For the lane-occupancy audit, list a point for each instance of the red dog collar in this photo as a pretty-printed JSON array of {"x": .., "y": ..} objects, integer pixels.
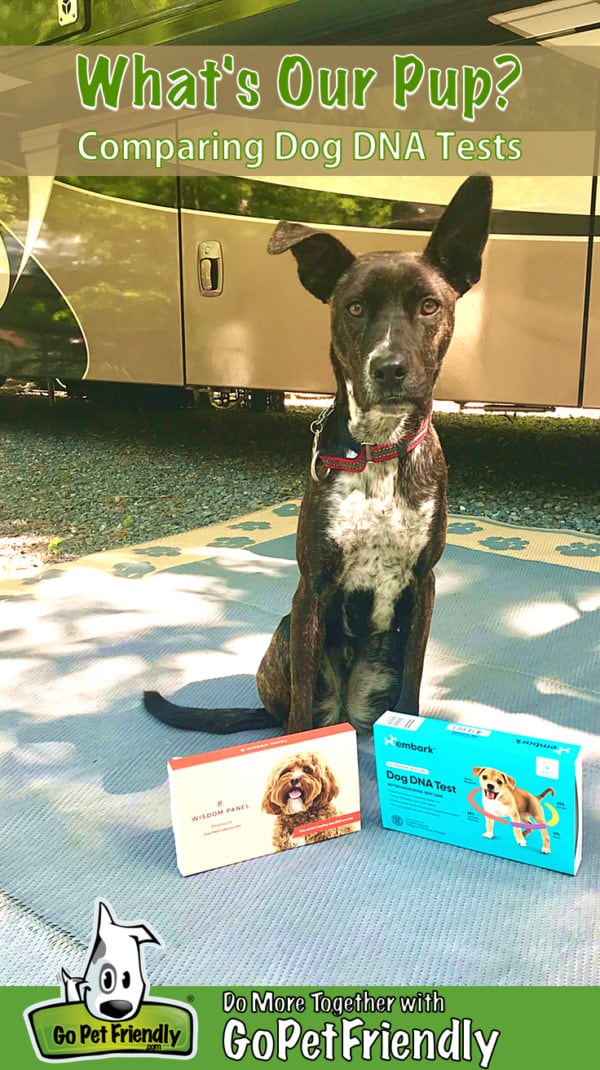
[{"x": 365, "y": 452}]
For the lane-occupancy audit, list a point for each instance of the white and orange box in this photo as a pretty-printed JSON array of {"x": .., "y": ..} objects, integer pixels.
[{"x": 259, "y": 798}]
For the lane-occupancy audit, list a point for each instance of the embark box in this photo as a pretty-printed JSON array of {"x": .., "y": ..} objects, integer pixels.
[
  {"x": 242, "y": 802},
  {"x": 509, "y": 795}
]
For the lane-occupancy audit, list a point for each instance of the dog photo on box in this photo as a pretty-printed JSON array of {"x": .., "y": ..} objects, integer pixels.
[
  {"x": 505, "y": 794},
  {"x": 260, "y": 798}
]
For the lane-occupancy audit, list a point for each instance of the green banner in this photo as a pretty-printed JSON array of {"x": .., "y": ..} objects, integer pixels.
[
  {"x": 68, "y": 1031},
  {"x": 213, "y": 1028}
]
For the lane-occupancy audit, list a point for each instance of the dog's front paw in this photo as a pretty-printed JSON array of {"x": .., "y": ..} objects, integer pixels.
[
  {"x": 522, "y": 843},
  {"x": 545, "y": 850},
  {"x": 488, "y": 835}
]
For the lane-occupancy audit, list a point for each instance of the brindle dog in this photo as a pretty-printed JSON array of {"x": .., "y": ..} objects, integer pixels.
[{"x": 373, "y": 519}]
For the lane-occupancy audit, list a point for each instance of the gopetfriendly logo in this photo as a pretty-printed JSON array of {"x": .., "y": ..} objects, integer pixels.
[{"x": 105, "y": 1011}]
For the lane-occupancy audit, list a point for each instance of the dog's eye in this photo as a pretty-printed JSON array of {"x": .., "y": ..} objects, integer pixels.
[
  {"x": 356, "y": 308},
  {"x": 126, "y": 979},
  {"x": 108, "y": 978},
  {"x": 284, "y": 772},
  {"x": 307, "y": 769},
  {"x": 428, "y": 306},
  {"x": 484, "y": 777}
]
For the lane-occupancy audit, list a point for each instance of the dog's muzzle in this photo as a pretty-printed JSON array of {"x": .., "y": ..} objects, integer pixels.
[
  {"x": 116, "y": 1008},
  {"x": 387, "y": 375}
]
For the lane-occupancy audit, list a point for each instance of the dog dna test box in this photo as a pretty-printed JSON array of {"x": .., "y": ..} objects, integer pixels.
[
  {"x": 501, "y": 793},
  {"x": 242, "y": 802}
]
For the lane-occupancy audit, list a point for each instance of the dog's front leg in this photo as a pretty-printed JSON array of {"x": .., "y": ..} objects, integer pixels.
[
  {"x": 515, "y": 817},
  {"x": 416, "y": 643},
  {"x": 307, "y": 635}
]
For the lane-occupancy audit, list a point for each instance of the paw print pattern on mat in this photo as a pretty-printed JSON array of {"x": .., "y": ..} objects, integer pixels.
[
  {"x": 159, "y": 551},
  {"x": 132, "y": 570},
  {"x": 291, "y": 509},
  {"x": 579, "y": 549},
  {"x": 233, "y": 540},
  {"x": 47, "y": 574},
  {"x": 496, "y": 542},
  {"x": 251, "y": 525},
  {"x": 463, "y": 528}
]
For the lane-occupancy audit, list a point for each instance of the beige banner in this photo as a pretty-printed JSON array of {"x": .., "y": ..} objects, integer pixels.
[{"x": 299, "y": 111}]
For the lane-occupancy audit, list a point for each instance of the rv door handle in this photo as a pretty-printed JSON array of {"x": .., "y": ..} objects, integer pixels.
[{"x": 210, "y": 268}]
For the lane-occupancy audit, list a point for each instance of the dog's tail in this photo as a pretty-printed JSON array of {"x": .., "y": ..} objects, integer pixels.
[
  {"x": 221, "y": 722},
  {"x": 548, "y": 791}
]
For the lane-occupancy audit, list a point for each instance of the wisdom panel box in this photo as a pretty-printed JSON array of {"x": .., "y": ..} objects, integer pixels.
[
  {"x": 242, "y": 802},
  {"x": 501, "y": 793}
]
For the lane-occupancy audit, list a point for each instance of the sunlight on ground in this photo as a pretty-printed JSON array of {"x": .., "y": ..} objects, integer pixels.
[
  {"x": 441, "y": 664},
  {"x": 251, "y": 647},
  {"x": 245, "y": 562},
  {"x": 319, "y": 401},
  {"x": 546, "y": 685},
  {"x": 589, "y": 603},
  {"x": 539, "y": 619},
  {"x": 239, "y": 656},
  {"x": 23, "y": 555},
  {"x": 450, "y": 581},
  {"x": 54, "y": 752},
  {"x": 480, "y": 715},
  {"x": 92, "y": 807},
  {"x": 7, "y": 743},
  {"x": 82, "y": 692}
]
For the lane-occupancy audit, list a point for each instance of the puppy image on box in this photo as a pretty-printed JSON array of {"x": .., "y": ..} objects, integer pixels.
[
  {"x": 299, "y": 793},
  {"x": 502, "y": 798}
]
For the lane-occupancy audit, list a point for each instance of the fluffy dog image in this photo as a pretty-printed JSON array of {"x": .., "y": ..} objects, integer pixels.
[
  {"x": 503, "y": 798},
  {"x": 300, "y": 791}
]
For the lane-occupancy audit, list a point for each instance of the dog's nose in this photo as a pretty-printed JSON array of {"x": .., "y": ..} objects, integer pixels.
[
  {"x": 116, "y": 1008},
  {"x": 390, "y": 372}
]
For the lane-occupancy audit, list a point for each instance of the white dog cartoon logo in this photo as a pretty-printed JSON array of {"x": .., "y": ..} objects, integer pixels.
[{"x": 113, "y": 985}]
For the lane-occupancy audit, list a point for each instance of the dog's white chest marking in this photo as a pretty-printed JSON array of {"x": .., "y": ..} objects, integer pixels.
[
  {"x": 379, "y": 534},
  {"x": 492, "y": 806}
]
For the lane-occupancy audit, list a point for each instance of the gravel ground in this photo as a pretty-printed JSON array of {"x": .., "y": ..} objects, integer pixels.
[{"x": 78, "y": 478}]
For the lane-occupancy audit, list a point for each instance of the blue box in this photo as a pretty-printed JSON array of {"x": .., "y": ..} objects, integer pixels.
[{"x": 501, "y": 793}]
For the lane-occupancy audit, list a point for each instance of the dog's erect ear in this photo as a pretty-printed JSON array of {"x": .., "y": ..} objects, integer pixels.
[
  {"x": 456, "y": 246},
  {"x": 321, "y": 258},
  {"x": 142, "y": 934},
  {"x": 478, "y": 770},
  {"x": 104, "y": 921},
  {"x": 73, "y": 987}
]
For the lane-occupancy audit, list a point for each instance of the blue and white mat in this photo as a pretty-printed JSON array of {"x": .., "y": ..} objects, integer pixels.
[{"x": 84, "y": 796}]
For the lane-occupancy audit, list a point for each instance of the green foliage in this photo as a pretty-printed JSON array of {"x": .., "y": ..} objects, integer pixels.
[
  {"x": 241, "y": 196},
  {"x": 143, "y": 189}
]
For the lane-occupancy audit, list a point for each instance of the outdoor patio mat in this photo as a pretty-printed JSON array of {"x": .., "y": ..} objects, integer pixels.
[{"x": 84, "y": 797}]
